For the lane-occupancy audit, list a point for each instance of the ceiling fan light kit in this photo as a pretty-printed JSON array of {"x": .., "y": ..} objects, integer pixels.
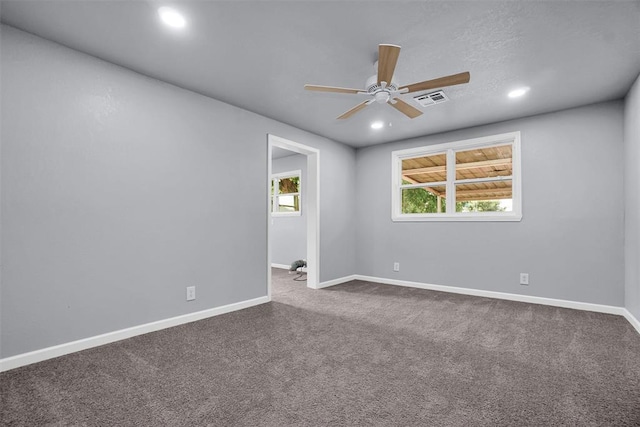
[
  {"x": 383, "y": 89},
  {"x": 381, "y": 97}
]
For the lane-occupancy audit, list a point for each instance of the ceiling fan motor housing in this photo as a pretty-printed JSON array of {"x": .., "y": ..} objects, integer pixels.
[{"x": 372, "y": 85}]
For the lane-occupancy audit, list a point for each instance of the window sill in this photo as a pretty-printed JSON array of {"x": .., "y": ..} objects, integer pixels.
[
  {"x": 458, "y": 217},
  {"x": 284, "y": 214}
]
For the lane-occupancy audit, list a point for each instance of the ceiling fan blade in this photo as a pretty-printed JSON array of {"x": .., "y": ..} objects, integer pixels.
[
  {"x": 331, "y": 89},
  {"x": 354, "y": 110},
  {"x": 455, "y": 79},
  {"x": 405, "y": 108},
  {"x": 387, "y": 59}
]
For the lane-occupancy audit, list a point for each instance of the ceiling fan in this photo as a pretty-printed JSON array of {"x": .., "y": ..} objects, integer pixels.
[{"x": 382, "y": 88}]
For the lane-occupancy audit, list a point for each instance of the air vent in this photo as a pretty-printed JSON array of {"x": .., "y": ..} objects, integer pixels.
[{"x": 431, "y": 98}]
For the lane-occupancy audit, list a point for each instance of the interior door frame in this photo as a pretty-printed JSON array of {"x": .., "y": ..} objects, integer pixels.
[{"x": 310, "y": 205}]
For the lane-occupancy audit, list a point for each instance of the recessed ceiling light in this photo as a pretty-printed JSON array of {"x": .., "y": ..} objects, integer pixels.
[
  {"x": 172, "y": 17},
  {"x": 377, "y": 125},
  {"x": 518, "y": 92}
]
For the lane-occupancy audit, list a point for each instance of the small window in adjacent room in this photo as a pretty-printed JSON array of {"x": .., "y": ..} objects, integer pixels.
[
  {"x": 285, "y": 193},
  {"x": 471, "y": 180}
]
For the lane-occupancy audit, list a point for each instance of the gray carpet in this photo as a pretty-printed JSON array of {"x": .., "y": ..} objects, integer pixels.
[{"x": 354, "y": 354}]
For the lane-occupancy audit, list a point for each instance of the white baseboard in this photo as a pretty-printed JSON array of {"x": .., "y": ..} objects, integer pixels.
[
  {"x": 599, "y": 308},
  {"x": 337, "y": 281},
  {"x": 86, "y": 343},
  {"x": 630, "y": 317},
  {"x": 282, "y": 266},
  {"x": 288, "y": 267},
  {"x": 610, "y": 309}
]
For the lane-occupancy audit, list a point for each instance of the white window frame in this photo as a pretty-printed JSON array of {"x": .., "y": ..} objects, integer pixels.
[
  {"x": 276, "y": 192},
  {"x": 450, "y": 149}
]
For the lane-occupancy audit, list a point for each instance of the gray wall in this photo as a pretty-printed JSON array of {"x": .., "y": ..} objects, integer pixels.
[
  {"x": 118, "y": 191},
  {"x": 288, "y": 238},
  {"x": 632, "y": 204},
  {"x": 570, "y": 239}
]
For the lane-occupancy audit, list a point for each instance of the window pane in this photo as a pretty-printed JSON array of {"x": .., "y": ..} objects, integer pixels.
[
  {"x": 484, "y": 197},
  {"x": 484, "y": 162},
  {"x": 424, "y": 200},
  {"x": 289, "y": 203},
  {"x": 431, "y": 168},
  {"x": 289, "y": 185}
]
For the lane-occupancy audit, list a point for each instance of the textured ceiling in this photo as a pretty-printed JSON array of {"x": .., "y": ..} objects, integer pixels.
[{"x": 258, "y": 54}]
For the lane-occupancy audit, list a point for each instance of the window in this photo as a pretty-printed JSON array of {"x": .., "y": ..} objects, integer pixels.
[
  {"x": 471, "y": 180},
  {"x": 285, "y": 193}
]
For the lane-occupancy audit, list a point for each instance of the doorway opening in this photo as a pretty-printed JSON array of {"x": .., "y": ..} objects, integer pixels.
[{"x": 309, "y": 205}]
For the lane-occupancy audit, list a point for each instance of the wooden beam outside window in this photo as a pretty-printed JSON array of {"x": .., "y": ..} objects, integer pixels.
[
  {"x": 482, "y": 198},
  {"x": 482, "y": 192},
  {"x": 429, "y": 189},
  {"x": 459, "y": 166}
]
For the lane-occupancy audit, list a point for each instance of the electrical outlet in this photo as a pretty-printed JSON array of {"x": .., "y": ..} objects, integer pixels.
[
  {"x": 524, "y": 278},
  {"x": 396, "y": 266},
  {"x": 191, "y": 293}
]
